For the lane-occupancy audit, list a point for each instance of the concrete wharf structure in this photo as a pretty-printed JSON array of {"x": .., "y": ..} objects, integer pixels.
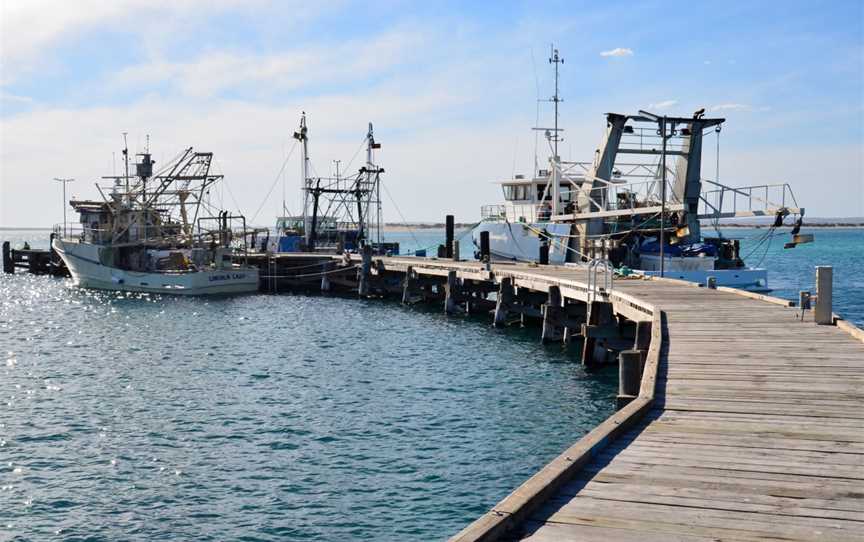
[{"x": 745, "y": 422}]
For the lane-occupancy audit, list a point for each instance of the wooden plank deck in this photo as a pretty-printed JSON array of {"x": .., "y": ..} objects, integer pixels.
[{"x": 755, "y": 432}]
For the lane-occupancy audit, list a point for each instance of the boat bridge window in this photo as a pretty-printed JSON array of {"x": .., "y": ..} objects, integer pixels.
[
  {"x": 540, "y": 190},
  {"x": 516, "y": 192}
]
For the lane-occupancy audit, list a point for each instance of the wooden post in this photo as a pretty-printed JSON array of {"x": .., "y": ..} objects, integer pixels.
[
  {"x": 712, "y": 283},
  {"x": 505, "y": 302},
  {"x": 451, "y": 299},
  {"x": 824, "y": 276},
  {"x": 455, "y": 251},
  {"x": 8, "y": 264},
  {"x": 600, "y": 314},
  {"x": 484, "y": 246},
  {"x": 409, "y": 286},
  {"x": 629, "y": 376},
  {"x": 642, "y": 342},
  {"x": 365, "y": 268},
  {"x": 573, "y": 313},
  {"x": 448, "y": 239},
  {"x": 442, "y": 251},
  {"x": 552, "y": 329}
]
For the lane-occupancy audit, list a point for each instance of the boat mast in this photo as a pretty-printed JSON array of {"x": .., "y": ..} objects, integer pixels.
[
  {"x": 126, "y": 157},
  {"x": 556, "y": 160},
  {"x": 304, "y": 170},
  {"x": 370, "y": 166}
]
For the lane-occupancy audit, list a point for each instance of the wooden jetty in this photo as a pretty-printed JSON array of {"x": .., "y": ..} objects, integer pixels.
[
  {"x": 740, "y": 417},
  {"x": 36, "y": 261}
]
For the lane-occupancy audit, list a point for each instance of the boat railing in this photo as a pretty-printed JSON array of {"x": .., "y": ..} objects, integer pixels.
[
  {"x": 758, "y": 200},
  {"x": 493, "y": 213},
  {"x": 620, "y": 198},
  {"x": 165, "y": 233}
]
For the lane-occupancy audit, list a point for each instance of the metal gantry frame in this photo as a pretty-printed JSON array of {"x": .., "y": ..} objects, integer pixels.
[{"x": 341, "y": 203}]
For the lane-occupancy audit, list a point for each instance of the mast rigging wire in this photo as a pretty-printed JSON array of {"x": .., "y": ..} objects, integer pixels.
[{"x": 273, "y": 185}]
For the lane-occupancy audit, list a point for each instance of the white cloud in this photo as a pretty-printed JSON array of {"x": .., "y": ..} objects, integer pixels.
[
  {"x": 730, "y": 107},
  {"x": 30, "y": 29},
  {"x": 249, "y": 142},
  {"x": 221, "y": 70},
  {"x": 13, "y": 98},
  {"x": 618, "y": 51},
  {"x": 666, "y": 104}
]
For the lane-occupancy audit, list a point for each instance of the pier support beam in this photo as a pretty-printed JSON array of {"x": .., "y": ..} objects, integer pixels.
[
  {"x": 553, "y": 331},
  {"x": 504, "y": 305},
  {"x": 475, "y": 294},
  {"x": 363, "y": 288},
  {"x": 453, "y": 293},
  {"x": 629, "y": 377},
  {"x": 448, "y": 236},
  {"x": 8, "y": 263},
  {"x": 484, "y": 246},
  {"x": 574, "y": 316},
  {"x": 409, "y": 287},
  {"x": 600, "y": 316},
  {"x": 642, "y": 340}
]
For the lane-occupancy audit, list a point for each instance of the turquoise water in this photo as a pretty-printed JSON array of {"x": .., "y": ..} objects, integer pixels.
[
  {"x": 789, "y": 270},
  {"x": 267, "y": 417}
]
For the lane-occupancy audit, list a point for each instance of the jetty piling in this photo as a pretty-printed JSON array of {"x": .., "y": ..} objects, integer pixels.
[
  {"x": 484, "y": 246},
  {"x": 449, "y": 231},
  {"x": 8, "y": 263},
  {"x": 553, "y": 330},
  {"x": 629, "y": 377}
]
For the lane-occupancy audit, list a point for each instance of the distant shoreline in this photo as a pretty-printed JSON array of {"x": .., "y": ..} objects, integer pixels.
[
  {"x": 399, "y": 227},
  {"x": 841, "y": 225}
]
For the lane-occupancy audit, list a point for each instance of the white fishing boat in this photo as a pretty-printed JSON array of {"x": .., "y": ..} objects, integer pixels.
[
  {"x": 167, "y": 238},
  {"x": 629, "y": 207}
]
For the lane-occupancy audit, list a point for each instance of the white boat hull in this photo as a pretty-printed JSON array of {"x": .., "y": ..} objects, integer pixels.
[
  {"x": 755, "y": 280},
  {"x": 521, "y": 242},
  {"x": 87, "y": 271}
]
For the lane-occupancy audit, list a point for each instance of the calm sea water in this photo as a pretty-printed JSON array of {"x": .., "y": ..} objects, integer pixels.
[{"x": 263, "y": 417}]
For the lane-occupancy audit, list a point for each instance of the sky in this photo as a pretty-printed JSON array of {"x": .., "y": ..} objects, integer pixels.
[{"x": 451, "y": 88}]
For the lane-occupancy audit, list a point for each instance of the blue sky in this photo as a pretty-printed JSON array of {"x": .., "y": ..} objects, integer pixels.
[{"x": 451, "y": 88}]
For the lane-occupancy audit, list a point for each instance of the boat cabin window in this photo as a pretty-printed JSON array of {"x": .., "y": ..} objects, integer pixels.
[
  {"x": 540, "y": 190},
  {"x": 290, "y": 223},
  {"x": 516, "y": 192}
]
